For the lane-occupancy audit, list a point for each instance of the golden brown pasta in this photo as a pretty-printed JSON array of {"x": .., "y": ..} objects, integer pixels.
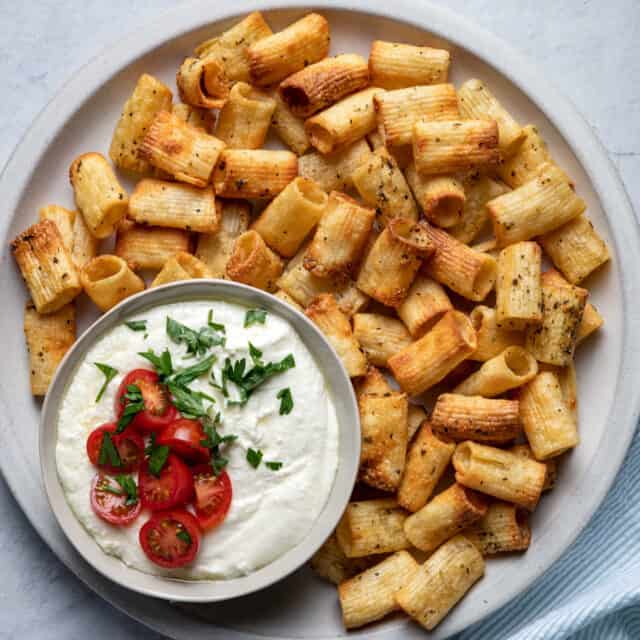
[
  {"x": 64, "y": 219},
  {"x": 372, "y": 382},
  {"x": 330, "y": 562},
  {"x": 108, "y": 280},
  {"x": 48, "y": 338},
  {"x": 502, "y": 529},
  {"x": 416, "y": 415},
  {"x": 425, "y": 303},
  {"x": 522, "y": 167},
  {"x": 181, "y": 266},
  {"x": 492, "y": 339},
  {"x": 85, "y": 246},
  {"x": 253, "y": 263},
  {"x": 524, "y": 450},
  {"x": 285, "y": 297},
  {"x": 289, "y": 128},
  {"x": 194, "y": 116},
  {"x": 379, "y": 336},
  {"x": 202, "y": 82}
]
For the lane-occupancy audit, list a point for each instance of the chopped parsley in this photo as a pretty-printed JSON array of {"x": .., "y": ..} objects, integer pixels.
[
  {"x": 196, "y": 370},
  {"x": 134, "y": 405},
  {"x": 158, "y": 455},
  {"x": 256, "y": 355},
  {"x": 197, "y": 342},
  {"x": 274, "y": 466},
  {"x": 254, "y": 316},
  {"x": 128, "y": 489},
  {"x": 183, "y": 535},
  {"x": 214, "y": 441},
  {"x": 108, "y": 451},
  {"x": 286, "y": 401},
  {"x": 137, "y": 325},
  {"x": 186, "y": 401},
  {"x": 109, "y": 374},
  {"x": 215, "y": 325},
  {"x": 162, "y": 363},
  {"x": 254, "y": 457}
]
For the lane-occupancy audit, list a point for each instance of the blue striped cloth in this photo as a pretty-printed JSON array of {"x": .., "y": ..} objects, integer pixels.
[{"x": 593, "y": 591}]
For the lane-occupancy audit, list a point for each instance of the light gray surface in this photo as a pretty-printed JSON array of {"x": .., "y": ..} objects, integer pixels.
[{"x": 587, "y": 49}]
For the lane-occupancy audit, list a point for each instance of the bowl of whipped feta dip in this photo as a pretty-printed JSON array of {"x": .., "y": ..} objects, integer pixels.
[{"x": 200, "y": 441}]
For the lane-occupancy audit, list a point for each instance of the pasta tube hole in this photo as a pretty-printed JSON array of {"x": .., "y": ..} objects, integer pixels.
[
  {"x": 520, "y": 362},
  {"x": 104, "y": 268},
  {"x": 295, "y": 97},
  {"x": 311, "y": 191}
]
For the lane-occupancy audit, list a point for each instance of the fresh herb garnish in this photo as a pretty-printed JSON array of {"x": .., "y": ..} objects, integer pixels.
[
  {"x": 158, "y": 455},
  {"x": 108, "y": 451},
  {"x": 134, "y": 405},
  {"x": 196, "y": 370},
  {"x": 197, "y": 342},
  {"x": 187, "y": 401},
  {"x": 254, "y": 316},
  {"x": 183, "y": 534},
  {"x": 109, "y": 374},
  {"x": 254, "y": 457},
  {"x": 214, "y": 441},
  {"x": 256, "y": 355},
  {"x": 162, "y": 363},
  {"x": 128, "y": 488},
  {"x": 274, "y": 466},
  {"x": 286, "y": 401},
  {"x": 137, "y": 325},
  {"x": 215, "y": 325}
]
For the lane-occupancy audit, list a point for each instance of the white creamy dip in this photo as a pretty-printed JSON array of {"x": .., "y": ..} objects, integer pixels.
[{"x": 271, "y": 511}]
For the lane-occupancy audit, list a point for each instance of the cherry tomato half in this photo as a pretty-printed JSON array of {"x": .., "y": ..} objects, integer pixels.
[
  {"x": 170, "y": 539},
  {"x": 183, "y": 437},
  {"x": 213, "y": 496},
  {"x": 129, "y": 444},
  {"x": 172, "y": 488},
  {"x": 109, "y": 506},
  {"x": 158, "y": 411}
]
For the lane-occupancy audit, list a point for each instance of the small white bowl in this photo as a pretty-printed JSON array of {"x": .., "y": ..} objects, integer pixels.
[{"x": 348, "y": 447}]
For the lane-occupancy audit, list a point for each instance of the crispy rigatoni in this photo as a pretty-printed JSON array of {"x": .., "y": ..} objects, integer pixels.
[
  {"x": 492, "y": 339},
  {"x": 202, "y": 82},
  {"x": 46, "y": 266},
  {"x": 452, "y": 146},
  {"x": 343, "y": 123},
  {"x": 512, "y": 368},
  {"x": 499, "y": 473},
  {"x": 380, "y": 336},
  {"x": 518, "y": 287},
  {"x": 285, "y": 297},
  {"x": 253, "y": 263},
  {"x": 340, "y": 237},
  {"x": 393, "y": 260},
  {"x": 398, "y": 111},
  {"x": 64, "y": 219},
  {"x": 428, "y": 360},
  {"x": 230, "y": 47},
  {"x": 98, "y": 194},
  {"x": 149, "y": 97},
  {"x": 460, "y": 417},
  {"x": 181, "y": 266},
  {"x": 108, "y": 280},
  {"x": 319, "y": 85},
  {"x": 425, "y": 303},
  {"x": 382, "y": 185},
  {"x": 415, "y": 417},
  {"x": 244, "y": 120},
  {"x": 288, "y": 127},
  {"x": 524, "y": 450},
  {"x": 373, "y": 382},
  {"x": 537, "y": 207},
  {"x": 330, "y": 562},
  {"x": 553, "y": 341},
  {"x": 202, "y": 119},
  {"x": 335, "y": 325},
  {"x": 502, "y": 529},
  {"x": 383, "y": 422},
  {"x": 85, "y": 246},
  {"x": 444, "y": 516},
  {"x": 186, "y": 153},
  {"x": 437, "y": 586},
  {"x": 370, "y": 595},
  {"x": 254, "y": 173},
  {"x": 370, "y": 527},
  {"x": 576, "y": 249},
  {"x": 170, "y": 204},
  {"x": 394, "y": 65},
  {"x": 522, "y": 167},
  {"x": 148, "y": 247},
  {"x": 470, "y": 273},
  {"x": 291, "y": 215},
  {"x": 48, "y": 338},
  {"x": 334, "y": 172},
  {"x": 427, "y": 459},
  {"x": 477, "y": 102},
  {"x": 214, "y": 249},
  {"x": 441, "y": 198},
  {"x": 277, "y": 56},
  {"x": 548, "y": 423}
]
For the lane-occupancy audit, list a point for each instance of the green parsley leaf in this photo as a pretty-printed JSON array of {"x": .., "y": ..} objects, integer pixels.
[
  {"x": 134, "y": 405},
  {"x": 186, "y": 401},
  {"x": 137, "y": 325},
  {"x": 189, "y": 374},
  {"x": 183, "y": 534},
  {"x": 254, "y": 457},
  {"x": 255, "y": 354},
  {"x": 215, "y": 325},
  {"x": 109, "y": 374},
  {"x": 158, "y": 455},
  {"x": 197, "y": 342},
  {"x": 286, "y": 401},
  {"x": 214, "y": 441},
  {"x": 260, "y": 374},
  {"x": 274, "y": 466},
  {"x": 254, "y": 316},
  {"x": 129, "y": 488},
  {"x": 108, "y": 451},
  {"x": 162, "y": 363},
  {"x": 218, "y": 464}
]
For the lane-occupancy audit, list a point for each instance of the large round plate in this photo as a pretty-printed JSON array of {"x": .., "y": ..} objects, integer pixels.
[{"x": 81, "y": 118}]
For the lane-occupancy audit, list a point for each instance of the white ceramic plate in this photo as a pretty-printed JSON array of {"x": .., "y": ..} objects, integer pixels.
[{"x": 81, "y": 118}]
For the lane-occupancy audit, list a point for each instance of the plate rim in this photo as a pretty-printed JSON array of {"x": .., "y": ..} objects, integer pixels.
[{"x": 439, "y": 21}]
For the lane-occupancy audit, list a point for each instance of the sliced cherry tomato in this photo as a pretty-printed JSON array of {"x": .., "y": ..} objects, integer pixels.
[
  {"x": 213, "y": 496},
  {"x": 183, "y": 437},
  {"x": 172, "y": 488},
  {"x": 109, "y": 506},
  {"x": 129, "y": 444},
  {"x": 171, "y": 539},
  {"x": 158, "y": 411}
]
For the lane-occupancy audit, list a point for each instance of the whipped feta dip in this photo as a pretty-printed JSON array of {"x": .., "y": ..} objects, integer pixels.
[{"x": 271, "y": 510}]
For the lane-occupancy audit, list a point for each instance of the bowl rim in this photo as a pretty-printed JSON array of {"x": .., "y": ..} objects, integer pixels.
[{"x": 198, "y": 590}]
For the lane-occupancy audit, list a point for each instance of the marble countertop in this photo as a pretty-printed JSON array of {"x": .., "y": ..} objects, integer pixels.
[{"x": 588, "y": 48}]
